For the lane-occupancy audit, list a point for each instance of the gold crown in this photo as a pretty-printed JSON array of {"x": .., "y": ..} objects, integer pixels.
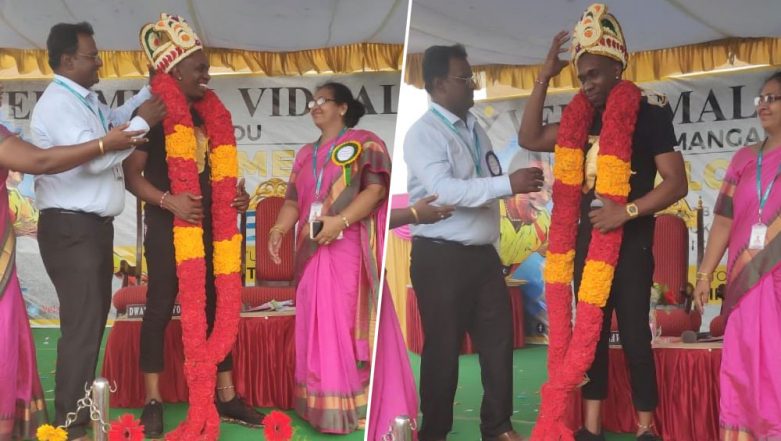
[
  {"x": 598, "y": 33},
  {"x": 168, "y": 42}
]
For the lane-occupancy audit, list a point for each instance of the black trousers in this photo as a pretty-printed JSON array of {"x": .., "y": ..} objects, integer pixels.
[
  {"x": 630, "y": 297},
  {"x": 77, "y": 252},
  {"x": 461, "y": 289},
  {"x": 163, "y": 285}
]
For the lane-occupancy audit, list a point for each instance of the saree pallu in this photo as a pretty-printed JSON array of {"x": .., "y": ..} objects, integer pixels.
[
  {"x": 338, "y": 286},
  {"x": 750, "y": 379},
  {"x": 22, "y": 408},
  {"x": 394, "y": 392}
]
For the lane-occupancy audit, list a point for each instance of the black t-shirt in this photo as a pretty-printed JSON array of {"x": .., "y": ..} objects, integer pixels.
[
  {"x": 156, "y": 172},
  {"x": 654, "y": 135}
]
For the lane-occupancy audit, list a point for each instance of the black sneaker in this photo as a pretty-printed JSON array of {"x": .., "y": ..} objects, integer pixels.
[
  {"x": 237, "y": 411},
  {"x": 584, "y": 435},
  {"x": 152, "y": 419}
]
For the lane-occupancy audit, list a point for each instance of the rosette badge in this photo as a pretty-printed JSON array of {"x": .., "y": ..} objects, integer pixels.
[{"x": 344, "y": 155}]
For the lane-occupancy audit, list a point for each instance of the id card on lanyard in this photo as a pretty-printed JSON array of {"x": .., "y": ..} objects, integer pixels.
[
  {"x": 98, "y": 113},
  {"x": 316, "y": 209},
  {"x": 759, "y": 230},
  {"x": 473, "y": 147}
]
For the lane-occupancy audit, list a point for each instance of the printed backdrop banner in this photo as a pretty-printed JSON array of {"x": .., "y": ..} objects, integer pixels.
[
  {"x": 713, "y": 116},
  {"x": 271, "y": 123}
]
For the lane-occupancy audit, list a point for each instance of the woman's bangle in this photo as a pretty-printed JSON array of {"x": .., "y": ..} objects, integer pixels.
[
  {"x": 540, "y": 82},
  {"x": 100, "y": 146},
  {"x": 704, "y": 276},
  {"x": 346, "y": 223},
  {"x": 415, "y": 214},
  {"x": 278, "y": 229},
  {"x": 162, "y": 199}
]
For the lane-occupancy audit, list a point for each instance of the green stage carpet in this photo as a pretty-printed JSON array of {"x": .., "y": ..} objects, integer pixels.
[
  {"x": 529, "y": 373},
  {"x": 46, "y": 345}
]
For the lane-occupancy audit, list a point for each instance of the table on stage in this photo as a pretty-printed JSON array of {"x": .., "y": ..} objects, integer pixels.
[
  {"x": 688, "y": 381},
  {"x": 263, "y": 361}
]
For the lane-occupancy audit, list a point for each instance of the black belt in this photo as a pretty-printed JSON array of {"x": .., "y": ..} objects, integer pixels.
[
  {"x": 97, "y": 217},
  {"x": 447, "y": 242}
]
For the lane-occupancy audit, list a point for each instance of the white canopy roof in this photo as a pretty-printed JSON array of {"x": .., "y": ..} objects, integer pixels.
[
  {"x": 519, "y": 32},
  {"x": 267, "y": 25}
]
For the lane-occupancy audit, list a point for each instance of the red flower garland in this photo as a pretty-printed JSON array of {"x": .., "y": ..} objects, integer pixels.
[
  {"x": 126, "y": 428},
  {"x": 201, "y": 354},
  {"x": 571, "y": 352},
  {"x": 276, "y": 426}
]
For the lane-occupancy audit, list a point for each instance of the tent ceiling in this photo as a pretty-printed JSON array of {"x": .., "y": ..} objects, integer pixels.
[
  {"x": 519, "y": 32},
  {"x": 268, "y": 25}
]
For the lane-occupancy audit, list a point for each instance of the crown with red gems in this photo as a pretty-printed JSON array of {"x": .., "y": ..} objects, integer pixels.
[
  {"x": 168, "y": 41},
  {"x": 598, "y": 33}
]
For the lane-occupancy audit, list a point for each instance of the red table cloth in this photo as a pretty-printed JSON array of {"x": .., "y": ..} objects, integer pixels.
[
  {"x": 688, "y": 380},
  {"x": 263, "y": 361}
]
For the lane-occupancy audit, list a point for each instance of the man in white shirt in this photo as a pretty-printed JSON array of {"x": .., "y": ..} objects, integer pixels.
[
  {"x": 455, "y": 268},
  {"x": 75, "y": 230}
]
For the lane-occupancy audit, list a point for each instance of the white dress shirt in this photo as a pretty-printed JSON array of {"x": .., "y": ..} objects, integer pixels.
[
  {"x": 69, "y": 114},
  {"x": 440, "y": 161}
]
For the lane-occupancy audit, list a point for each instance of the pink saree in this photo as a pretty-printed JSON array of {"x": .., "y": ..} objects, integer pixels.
[
  {"x": 750, "y": 379},
  {"x": 338, "y": 287},
  {"x": 22, "y": 408}
]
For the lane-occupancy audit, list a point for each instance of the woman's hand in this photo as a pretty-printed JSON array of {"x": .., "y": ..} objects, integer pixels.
[
  {"x": 701, "y": 294},
  {"x": 274, "y": 243},
  {"x": 332, "y": 226},
  {"x": 428, "y": 214}
]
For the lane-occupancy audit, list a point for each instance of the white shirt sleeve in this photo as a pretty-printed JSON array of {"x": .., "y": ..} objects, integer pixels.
[
  {"x": 59, "y": 123},
  {"x": 123, "y": 113},
  {"x": 425, "y": 152}
]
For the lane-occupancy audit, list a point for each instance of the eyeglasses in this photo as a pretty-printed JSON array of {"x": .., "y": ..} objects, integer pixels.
[
  {"x": 471, "y": 80},
  {"x": 318, "y": 102},
  {"x": 95, "y": 57},
  {"x": 766, "y": 99}
]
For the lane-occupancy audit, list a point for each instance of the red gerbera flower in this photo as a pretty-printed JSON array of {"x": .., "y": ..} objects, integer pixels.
[
  {"x": 126, "y": 428},
  {"x": 276, "y": 426}
]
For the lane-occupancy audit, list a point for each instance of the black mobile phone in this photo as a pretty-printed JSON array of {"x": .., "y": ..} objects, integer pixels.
[{"x": 314, "y": 228}]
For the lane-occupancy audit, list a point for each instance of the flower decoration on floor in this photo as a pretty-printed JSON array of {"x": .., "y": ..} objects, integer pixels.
[
  {"x": 202, "y": 354},
  {"x": 277, "y": 426},
  {"x": 126, "y": 428},
  {"x": 571, "y": 351},
  {"x": 48, "y": 432}
]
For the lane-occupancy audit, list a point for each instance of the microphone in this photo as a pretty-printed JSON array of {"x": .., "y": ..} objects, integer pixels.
[{"x": 689, "y": 337}]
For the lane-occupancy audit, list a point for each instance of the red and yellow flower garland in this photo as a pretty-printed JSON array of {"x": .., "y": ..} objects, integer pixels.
[
  {"x": 202, "y": 354},
  {"x": 571, "y": 352}
]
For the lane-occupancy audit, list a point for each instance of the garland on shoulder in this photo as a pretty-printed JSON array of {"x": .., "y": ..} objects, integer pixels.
[
  {"x": 571, "y": 351},
  {"x": 201, "y": 354}
]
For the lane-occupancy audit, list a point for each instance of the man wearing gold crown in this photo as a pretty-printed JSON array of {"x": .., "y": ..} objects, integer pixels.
[
  {"x": 181, "y": 70},
  {"x": 612, "y": 140}
]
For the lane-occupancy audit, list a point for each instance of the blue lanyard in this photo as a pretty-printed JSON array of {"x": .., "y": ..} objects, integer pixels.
[
  {"x": 84, "y": 101},
  {"x": 319, "y": 177},
  {"x": 763, "y": 198},
  {"x": 473, "y": 151}
]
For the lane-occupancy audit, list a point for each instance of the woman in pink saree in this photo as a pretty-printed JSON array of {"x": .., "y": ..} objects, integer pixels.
[
  {"x": 22, "y": 407},
  {"x": 337, "y": 191},
  {"x": 747, "y": 225},
  {"x": 394, "y": 392}
]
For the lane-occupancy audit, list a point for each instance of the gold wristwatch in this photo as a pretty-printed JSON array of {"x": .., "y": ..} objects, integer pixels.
[{"x": 631, "y": 210}]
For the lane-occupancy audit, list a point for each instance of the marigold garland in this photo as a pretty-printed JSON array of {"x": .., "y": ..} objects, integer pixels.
[
  {"x": 202, "y": 354},
  {"x": 571, "y": 351}
]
